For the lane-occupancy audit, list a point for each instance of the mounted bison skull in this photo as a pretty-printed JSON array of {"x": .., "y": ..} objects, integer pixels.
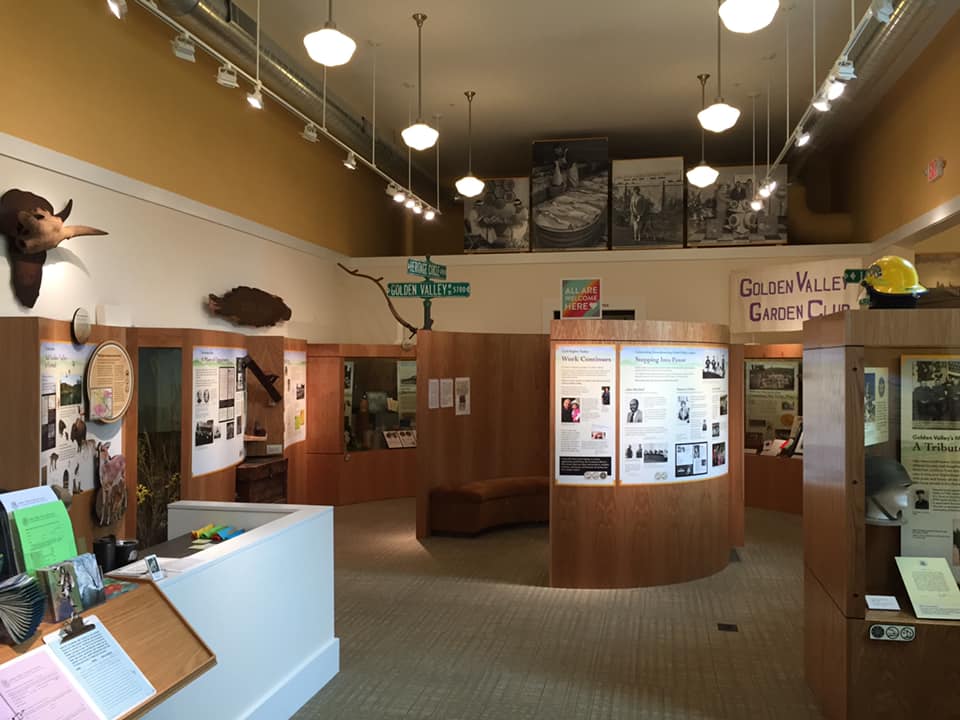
[{"x": 31, "y": 228}]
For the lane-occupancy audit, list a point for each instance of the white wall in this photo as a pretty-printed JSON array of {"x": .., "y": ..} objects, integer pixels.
[{"x": 163, "y": 255}]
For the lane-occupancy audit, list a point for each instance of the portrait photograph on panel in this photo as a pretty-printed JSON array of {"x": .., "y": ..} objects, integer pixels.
[
  {"x": 647, "y": 203},
  {"x": 498, "y": 220},
  {"x": 721, "y": 213}
]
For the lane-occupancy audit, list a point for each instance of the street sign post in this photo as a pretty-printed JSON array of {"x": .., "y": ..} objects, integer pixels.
[
  {"x": 426, "y": 269},
  {"x": 428, "y": 288}
]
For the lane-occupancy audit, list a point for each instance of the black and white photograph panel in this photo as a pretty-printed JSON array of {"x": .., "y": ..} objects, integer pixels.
[
  {"x": 647, "y": 203},
  {"x": 936, "y": 395},
  {"x": 498, "y": 220},
  {"x": 721, "y": 213},
  {"x": 569, "y": 190}
]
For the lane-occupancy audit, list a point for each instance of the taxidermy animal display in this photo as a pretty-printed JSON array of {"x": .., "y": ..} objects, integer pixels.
[
  {"x": 249, "y": 306},
  {"x": 32, "y": 228},
  {"x": 111, "y": 501}
]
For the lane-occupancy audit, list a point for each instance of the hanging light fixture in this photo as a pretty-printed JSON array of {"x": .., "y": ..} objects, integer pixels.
[
  {"x": 703, "y": 175},
  {"x": 769, "y": 184},
  {"x": 469, "y": 185},
  {"x": 118, "y": 8},
  {"x": 328, "y": 46},
  {"x": 255, "y": 98},
  {"x": 748, "y": 16},
  {"x": 756, "y": 204},
  {"x": 420, "y": 136},
  {"x": 719, "y": 117}
]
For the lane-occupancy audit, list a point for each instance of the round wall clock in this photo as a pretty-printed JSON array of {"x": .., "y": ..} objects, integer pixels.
[
  {"x": 80, "y": 326},
  {"x": 109, "y": 382}
]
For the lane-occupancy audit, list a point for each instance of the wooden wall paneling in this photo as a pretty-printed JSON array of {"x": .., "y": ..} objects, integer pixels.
[
  {"x": 784, "y": 351},
  {"x": 883, "y": 328},
  {"x": 377, "y": 475},
  {"x": 323, "y": 473},
  {"x": 773, "y": 483},
  {"x": 20, "y": 383},
  {"x": 833, "y": 491},
  {"x": 826, "y": 659},
  {"x": 267, "y": 352},
  {"x": 296, "y": 454},
  {"x": 427, "y": 425},
  {"x": 324, "y": 404},
  {"x": 736, "y": 436},
  {"x": 218, "y": 486},
  {"x": 647, "y": 331}
]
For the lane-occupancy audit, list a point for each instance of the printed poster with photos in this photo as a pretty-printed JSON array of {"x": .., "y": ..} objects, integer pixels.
[
  {"x": 647, "y": 203},
  {"x": 499, "y": 219},
  {"x": 721, "y": 214},
  {"x": 219, "y": 404},
  {"x": 930, "y": 451},
  {"x": 69, "y": 441},
  {"x": 585, "y": 423},
  {"x": 876, "y": 406},
  {"x": 772, "y": 400},
  {"x": 675, "y": 403},
  {"x": 294, "y": 397}
]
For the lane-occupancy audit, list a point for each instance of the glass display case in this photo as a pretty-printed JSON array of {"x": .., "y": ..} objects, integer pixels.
[{"x": 379, "y": 403}]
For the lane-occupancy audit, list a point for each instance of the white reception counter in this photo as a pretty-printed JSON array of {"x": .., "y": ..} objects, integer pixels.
[{"x": 263, "y": 602}]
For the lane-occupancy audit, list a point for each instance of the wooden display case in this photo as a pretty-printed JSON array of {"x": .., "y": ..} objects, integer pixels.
[{"x": 852, "y": 675}]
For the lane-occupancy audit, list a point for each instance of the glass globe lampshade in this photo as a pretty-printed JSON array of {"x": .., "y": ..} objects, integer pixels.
[
  {"x": 420, "y": 136},
  {"x": 719, "y": 117},
  {"x": 328, "y": 46},
  {"x": 702, "y": 175},
  {"x": 470, "y": 186},
  {"x": 748, "y": 16}
]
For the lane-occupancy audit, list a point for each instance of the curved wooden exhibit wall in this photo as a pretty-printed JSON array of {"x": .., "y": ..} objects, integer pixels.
[{"x": 644, "y": 535}]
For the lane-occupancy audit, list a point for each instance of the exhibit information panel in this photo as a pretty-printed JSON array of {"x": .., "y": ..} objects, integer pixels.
[
  {"x": 218, "y": 408},
  {"x": 876, "y": 406},
  {"x": 294, "y": 397},
  {"x": 930, "y": 452},
  {"x": 585, "y": 422},
  {"x": 68, "y": 443},
  {"x": 673, "y": 406},
  {"x": 771, "y": 400}
]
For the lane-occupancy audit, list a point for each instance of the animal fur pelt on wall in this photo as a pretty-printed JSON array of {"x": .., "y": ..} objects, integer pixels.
[
  {"x": 32, "y": 228},
  {"x": 249, "y": 306}
]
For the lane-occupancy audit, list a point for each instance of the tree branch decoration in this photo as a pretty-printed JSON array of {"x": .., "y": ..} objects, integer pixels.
[{"x": 378, "y": 281}]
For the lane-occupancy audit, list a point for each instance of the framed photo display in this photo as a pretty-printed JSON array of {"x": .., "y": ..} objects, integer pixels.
[
  {"x": 721, "y": 214},
  {"x": 498, "y": 220},
  {"x": 569, "y": 191},
  {"x": 647, "y": 203}
]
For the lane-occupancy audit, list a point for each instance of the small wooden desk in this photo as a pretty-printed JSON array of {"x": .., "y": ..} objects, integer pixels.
[{"x": 262, "y": 480}]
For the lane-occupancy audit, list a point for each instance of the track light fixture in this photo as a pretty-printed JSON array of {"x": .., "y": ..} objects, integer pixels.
[
  {"x": 118, "y": 8},
  {"x": 719, "y": 117},
  {"x": 255, "y": 98},
  {"x": 310, "y": 133},
  {"x": 420, "y": 136},
  {"x": 821, "y": 103},
  {"x": 328, "y": 46},
  {"x": 399, "y": 195},
  {"x": 767, "y": 188},
  {"x": 410, "y": 203},
  {"x": 350, "y": 163},
  {"x": 184, "y": 48},
  {"x": 417, "y": 209},
  {"x": 882, "y": 10},
  {"x": 227, "y": 76},
  {"x": 748, "y": 16},
  {"x": 429, "y": 215},
  {"x": 803, "y": 139}
]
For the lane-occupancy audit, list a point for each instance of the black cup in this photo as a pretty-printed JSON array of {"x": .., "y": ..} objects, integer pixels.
[
  {"x": 105, "y": 550},
  {"x": 126, "y": 552}
]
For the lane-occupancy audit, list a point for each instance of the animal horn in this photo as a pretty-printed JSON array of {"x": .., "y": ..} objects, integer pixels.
[
  {"x": 72, "y": 231},
  {"x": 65, "y": 213}
]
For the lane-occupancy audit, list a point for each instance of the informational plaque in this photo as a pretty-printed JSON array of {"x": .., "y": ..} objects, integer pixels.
[{"x": 109, "y": 382}]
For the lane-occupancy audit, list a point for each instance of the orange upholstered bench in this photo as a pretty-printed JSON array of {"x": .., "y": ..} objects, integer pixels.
[{"x": 474, "y": 507}]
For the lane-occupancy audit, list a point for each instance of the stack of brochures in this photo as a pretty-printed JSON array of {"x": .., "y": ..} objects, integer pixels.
[{"x": 21, "y": 607}]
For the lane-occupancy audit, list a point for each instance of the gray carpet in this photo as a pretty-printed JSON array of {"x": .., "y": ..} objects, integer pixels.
[{"x": 458, "y": 629}]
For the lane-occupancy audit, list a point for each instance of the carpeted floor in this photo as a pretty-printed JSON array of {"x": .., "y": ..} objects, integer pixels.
[{"x": 457, "y": 629}]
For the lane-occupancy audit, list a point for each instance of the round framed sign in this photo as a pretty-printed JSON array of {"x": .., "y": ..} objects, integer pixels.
[{"x": 109, "y": 382}]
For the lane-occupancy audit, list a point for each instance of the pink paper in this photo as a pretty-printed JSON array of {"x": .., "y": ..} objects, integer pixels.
[{"x": 36, "y": 686}]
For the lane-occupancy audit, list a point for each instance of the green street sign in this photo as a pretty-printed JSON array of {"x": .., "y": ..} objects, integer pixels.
[
  {"x": 426, "y": 269},
  {"x": 854, "y": 276},
  {"x": 428, "y": 290}
]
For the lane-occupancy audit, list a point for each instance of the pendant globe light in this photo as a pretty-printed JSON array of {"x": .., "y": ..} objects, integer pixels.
[
  {"x": 756, "y": 204},
  {"x": 328, "y": 46},
  {"x": 719, "y": 117},
  {"x": 703, "y": 175},
  {"x": 469, "y": 186},
  {"x": 748, "y": 16},
  {"x": 420, "y": 136}
]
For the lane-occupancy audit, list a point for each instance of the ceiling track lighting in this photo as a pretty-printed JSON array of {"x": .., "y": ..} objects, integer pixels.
[
  {"x": 420, "y": 136},
  {"x": 255, "y": 97},
  {"x": 469, "y": 186},
  {"x": 417, "y": 209},
  {"x": 410, "y": 203},
  {"x": 803, "y": 139},
  {"x": 748, "y": 16},
  {"x": 184, "y": 48},
  {"x": 350, "y": 162},
  {"x": 227, "y": 76},
  {"x": 720, "y": 116},
  {"x": 703, "y": 175},
  {"x": 429, "y": 215},
  {"x": 118, "y": 8},
  {"x": 328, "y": 46},
  {"x": 310, "y": 133}
]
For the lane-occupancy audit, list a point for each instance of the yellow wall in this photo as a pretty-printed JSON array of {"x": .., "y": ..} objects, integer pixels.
[
  {"x": 916, "y": 122},
  {"x": 80, "y": 82}
]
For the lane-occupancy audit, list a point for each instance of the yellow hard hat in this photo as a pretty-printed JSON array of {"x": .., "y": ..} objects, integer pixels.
[{"x": 893, "y": 275}]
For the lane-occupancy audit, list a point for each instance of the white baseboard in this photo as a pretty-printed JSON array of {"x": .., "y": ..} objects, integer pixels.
[{"x": 299, "y": 686}]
